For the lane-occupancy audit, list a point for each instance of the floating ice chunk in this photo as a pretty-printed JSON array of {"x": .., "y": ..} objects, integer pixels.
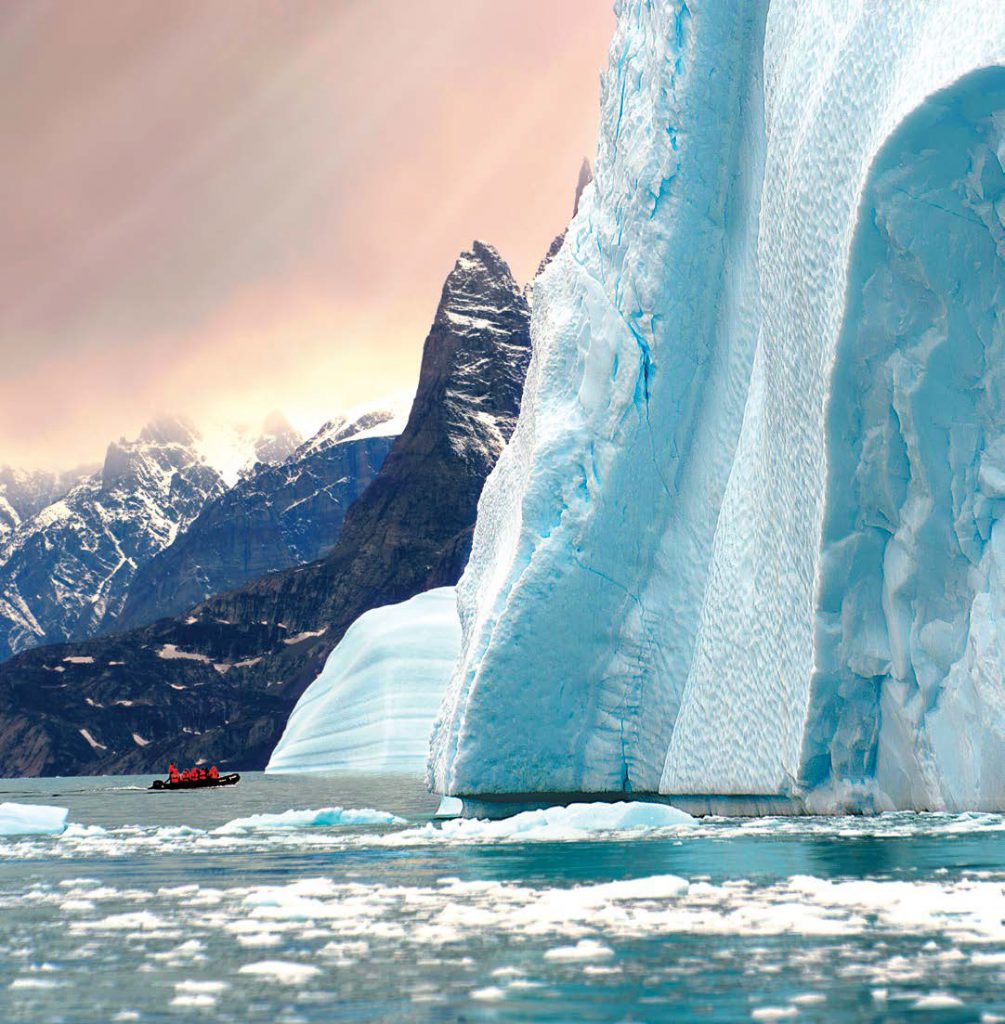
[
  {"x": 373, "y": 706},
  {"x": 491, "y": 994},
  {"x": 196, "y": 987},
  {"x": 572, "y": 822},
  {"x": 324, "y": 817},
  {"x": 31, "y": 819},
  {"x": 203, "y": 1000},
  {"x": 282, "y": 971},
  {"x": 585, "y": 949},
  {"x": 774, "y": 1013},
  {"x": 936, "y": 1001}
]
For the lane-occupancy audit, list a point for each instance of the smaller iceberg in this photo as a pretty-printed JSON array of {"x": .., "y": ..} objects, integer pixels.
[
  {"x": 324, "y": 817},
  {"x": 32, "y": 820},
  {"x": 576, "y": 821},
  {"x": 373, "y": 706}
]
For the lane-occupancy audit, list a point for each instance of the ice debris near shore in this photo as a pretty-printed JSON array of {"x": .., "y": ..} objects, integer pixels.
[
  {"x": 373, "y": 706},
  {"x": 32, "y": 819},
  {"x": 744, "y": 539},
  {"x": 325, "y": 817}
]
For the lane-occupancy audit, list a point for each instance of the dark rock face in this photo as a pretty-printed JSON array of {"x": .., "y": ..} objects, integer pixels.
[
  {"x": 273, "y": 518},
  {"x": 65, "y": 570},
  {"x": 220, "y": 682},
  {"x": 585, "y": 177}
]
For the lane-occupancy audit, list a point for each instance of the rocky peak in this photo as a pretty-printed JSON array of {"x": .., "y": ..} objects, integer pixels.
[
  {"x": 479, "y": 287},
  {"x": 342, "y": 428},
  {"x": 168, "y": 430},
  {"x": 278, "y": 440},
  {"x": 164, "y": 447},
  {"x": 475, "y": 357},
  {"x": 585, "y": 177}
]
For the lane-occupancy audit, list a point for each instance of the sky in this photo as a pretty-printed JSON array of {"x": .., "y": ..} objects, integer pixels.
[{"x": 219, "y": 209}]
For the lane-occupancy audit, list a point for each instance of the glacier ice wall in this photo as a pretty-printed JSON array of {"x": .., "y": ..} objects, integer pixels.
[
  {"x": 719, "y": 556},
  {"x": 630, "y": 411},
  {"x": 373, "y": 706}
]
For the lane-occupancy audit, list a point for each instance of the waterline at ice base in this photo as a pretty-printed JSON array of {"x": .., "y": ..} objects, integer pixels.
[{"x": 743, "y": 549}]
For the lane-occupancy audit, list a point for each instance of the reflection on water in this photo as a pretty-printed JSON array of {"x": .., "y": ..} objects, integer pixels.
[{"x": 145, "y": 911}]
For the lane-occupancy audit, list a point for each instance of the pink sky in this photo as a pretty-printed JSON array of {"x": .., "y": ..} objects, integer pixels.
[{"x": 224, "y": 208}]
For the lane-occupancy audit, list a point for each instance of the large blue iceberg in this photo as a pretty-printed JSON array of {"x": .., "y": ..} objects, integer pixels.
[{"x": 743, "y": 545}]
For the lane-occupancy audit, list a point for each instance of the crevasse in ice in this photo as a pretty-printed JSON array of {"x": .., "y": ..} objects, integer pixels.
[
  {"x": 743, "y": 541},
  {"x": 373, "y": 706}
]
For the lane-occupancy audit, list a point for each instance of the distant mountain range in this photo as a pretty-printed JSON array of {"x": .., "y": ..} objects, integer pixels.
[
  {"x": 221, "y": 680},
  {"x": 65, "y": 569},
  {"x": 274, "y": 517},
  {"x": 156, "y": 528}
]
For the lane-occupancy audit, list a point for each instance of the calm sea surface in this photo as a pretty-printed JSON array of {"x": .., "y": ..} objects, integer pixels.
[{"x": 143, "y": 911}]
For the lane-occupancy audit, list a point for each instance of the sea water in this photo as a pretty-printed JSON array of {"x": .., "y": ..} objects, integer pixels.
[{"x": 151, "y": 907}]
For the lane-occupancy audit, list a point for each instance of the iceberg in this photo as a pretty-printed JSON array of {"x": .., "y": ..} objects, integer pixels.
[
  {"x": 373, "y": 706},
  {"x": 573, "y": 821},
  {"x": 325, "y": 817},
  {"x": 32, "y": 819},
  {"x": 743, "y": 544}
]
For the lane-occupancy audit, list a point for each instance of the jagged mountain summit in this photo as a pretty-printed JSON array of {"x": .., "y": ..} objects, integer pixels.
[
  {"x": 274, "y": 517},
  {"x": 584, "y": 179},
  {"x": 66, "y": 570},
  {"x": 276, "y": 443},
  {"x": 24, "y": 493},
  {"x": 221, "y": 680},
  {"x": 744, "y": 548}
]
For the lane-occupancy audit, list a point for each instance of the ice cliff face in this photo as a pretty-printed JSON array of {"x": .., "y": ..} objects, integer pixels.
[
  {"x": 374, "y": 704},
  {"x": 743, "y": 540}
]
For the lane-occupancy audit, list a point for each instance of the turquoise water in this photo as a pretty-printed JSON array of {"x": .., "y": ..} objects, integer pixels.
[{"x": 142, "y": 912}]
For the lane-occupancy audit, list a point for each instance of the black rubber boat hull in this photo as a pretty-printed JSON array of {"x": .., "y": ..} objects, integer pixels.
[{"x": 224, "y": 780}]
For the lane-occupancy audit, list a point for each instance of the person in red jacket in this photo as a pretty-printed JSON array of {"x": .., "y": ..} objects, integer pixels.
[
  {"x": 173, "y": 777},
  {"x": 214, "y": 774}
]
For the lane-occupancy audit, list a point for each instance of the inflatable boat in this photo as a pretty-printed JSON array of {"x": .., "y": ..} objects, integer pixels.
[{"x": 224, "y": 780}]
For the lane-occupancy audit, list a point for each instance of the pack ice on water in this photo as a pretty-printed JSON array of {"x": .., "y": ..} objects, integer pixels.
[{"x": 744, "y": 540}]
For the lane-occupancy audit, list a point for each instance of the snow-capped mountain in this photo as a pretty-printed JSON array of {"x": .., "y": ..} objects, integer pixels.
[
  {"x": 274, "y": 517},
  {"x": 66, "y": 568},
  {"x": 744, "y": 548},
  {"x": 221, "y": 680},
  {"x": 24, "y": 493},
  {"x": 276, "y": 443}
]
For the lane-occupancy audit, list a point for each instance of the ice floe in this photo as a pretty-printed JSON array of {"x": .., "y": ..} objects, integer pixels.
[
  {"x": 324, "y": 817},
  {"x": 560, "y": 823},
  {"x": 31, "y": 819}
]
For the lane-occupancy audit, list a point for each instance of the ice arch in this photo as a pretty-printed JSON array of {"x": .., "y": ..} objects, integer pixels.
[
  {"x": 908, "y": 692},
  {"x": 753, "y": 717}
]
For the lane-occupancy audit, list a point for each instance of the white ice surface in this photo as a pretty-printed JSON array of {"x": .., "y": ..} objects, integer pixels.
[
  {"x": 575, "y": 821},
  {"x": 373, "y": 706},
  {"x": 743, "y": 540},
  {"x": 324, "y": 817},
  {"x": 31, "y": 819}
]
